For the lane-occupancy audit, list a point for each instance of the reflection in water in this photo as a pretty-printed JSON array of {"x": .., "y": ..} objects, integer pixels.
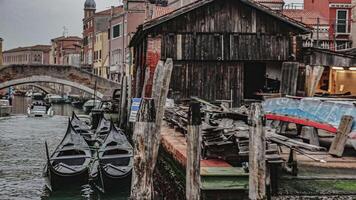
[{"x": 22, "y": 156}]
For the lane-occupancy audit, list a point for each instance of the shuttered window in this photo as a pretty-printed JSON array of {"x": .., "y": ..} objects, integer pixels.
[
  {"x": 116, "y": 32},
  {"x": 341, "y": 21}
]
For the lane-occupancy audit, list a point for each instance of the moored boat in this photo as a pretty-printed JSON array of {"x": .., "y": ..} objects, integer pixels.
[
  {"x": 102, "y": 130},
  {"x": 113, "y": 168},
  {"x": 90, "y": 104},
  {"x": 5, "y": 108},
  {"x": 40, "y": 108},
  {"x": 69, "y": 163},
  {"x": 77, "y": 103},
  {"x": 320, "y": 113},
  {"x": 83, "y": 129}
]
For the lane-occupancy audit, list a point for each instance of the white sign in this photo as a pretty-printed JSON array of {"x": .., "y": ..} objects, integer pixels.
[{"x": 135, "y": 106}]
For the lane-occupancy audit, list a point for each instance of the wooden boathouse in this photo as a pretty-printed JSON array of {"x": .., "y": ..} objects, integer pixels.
[{"x": 221, "y": 49}]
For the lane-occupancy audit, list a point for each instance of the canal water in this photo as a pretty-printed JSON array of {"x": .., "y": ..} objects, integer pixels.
[{"x": 22, "y": 156}]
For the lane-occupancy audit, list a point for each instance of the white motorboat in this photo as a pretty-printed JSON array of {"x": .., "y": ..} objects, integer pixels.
[
  {"x": 40, "y": 109},
  {"x": 90, "y": 104}
]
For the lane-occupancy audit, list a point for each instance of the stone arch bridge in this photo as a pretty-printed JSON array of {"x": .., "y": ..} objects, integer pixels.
[{"x": 11, "y": 75}]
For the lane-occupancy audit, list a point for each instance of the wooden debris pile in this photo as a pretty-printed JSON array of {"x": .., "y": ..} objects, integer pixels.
[{"x": 225, "y": 134}]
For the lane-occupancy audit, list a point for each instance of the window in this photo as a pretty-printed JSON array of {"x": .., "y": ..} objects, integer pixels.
[
  {"x": 115, "y": 57},
  {"x": 116, "y": 30},
  {"x": 340, "y": 45},
  {"x": 85, "y": 41},
  {"x": 341, "y": 21}
]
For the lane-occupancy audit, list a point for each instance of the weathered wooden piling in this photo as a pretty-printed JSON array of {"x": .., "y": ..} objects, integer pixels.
[
  {"x": 194, "y": 140},
  {"x": 257, "y": 156},
  {"x": 161, "y": 81},
  {"x": 147, "y": 136},
  {"x": 338, "y": 145},
  {"x": 145, "y": 82},
  {"x": 145, "y": 128},
  {"x": 123, "y": 111}
]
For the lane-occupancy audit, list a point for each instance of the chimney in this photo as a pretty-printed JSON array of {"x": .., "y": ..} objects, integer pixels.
[{"x": 1, "y": 51}]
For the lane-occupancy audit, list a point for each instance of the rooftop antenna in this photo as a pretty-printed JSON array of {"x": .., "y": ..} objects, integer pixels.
[{"x": 65, "y": 31}]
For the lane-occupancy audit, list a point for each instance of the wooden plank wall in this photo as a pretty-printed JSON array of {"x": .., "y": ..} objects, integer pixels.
[
  {"x": 225, "y": 46},
  {"x": 210, "y": 44},
  {"x": 289, "y": 78},
  {"x": 320, "y": 58},
  {"x": 208, "y": 80},
  {"x": 226, "y": 16}
]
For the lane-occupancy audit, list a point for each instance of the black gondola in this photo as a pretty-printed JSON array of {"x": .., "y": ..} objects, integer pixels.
[
  {"x": 113, "y": 167},
  {"x": 102, "y": 130},
  {"x": 69, "y": 163},
  {"x": 83, "y": 129}
]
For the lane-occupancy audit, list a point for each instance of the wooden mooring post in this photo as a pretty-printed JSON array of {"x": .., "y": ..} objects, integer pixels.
[
  {"x": 123, "y": 111},
  {"x": 147, "y": 135},
  {"x": 142, "y": 175},
  {"x": 338, "y": 144},
  {"x": 193, "y": 152},
  {"x": 257, "y": 154}
]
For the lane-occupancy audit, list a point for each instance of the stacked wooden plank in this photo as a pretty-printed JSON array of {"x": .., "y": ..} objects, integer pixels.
[{"x": 225, "y": 133}]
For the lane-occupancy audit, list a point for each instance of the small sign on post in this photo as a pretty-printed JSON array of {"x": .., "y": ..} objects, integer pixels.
[{"x": 135, "y": 106}]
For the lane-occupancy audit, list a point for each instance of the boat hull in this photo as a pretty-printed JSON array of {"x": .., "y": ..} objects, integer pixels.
[
  {"x": 32, "y": 113},
  {"x": 111, "y": 183},
  {"x": 5, "y": 111},
  {"x": 77, "y": 104},
  {"x": 57, "y": 181}
]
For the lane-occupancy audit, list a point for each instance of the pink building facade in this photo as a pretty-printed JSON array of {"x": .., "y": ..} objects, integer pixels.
[{"x": 122, "y": 27}]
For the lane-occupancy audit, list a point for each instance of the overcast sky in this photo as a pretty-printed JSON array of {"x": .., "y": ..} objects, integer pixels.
[{"x": 30, "y": 22}]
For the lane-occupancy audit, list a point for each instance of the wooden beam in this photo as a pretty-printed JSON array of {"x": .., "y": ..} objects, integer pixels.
[
  {"x": 311, "y": 134},
  {"x": 257, "y": 154},
  {"x": 194, "y": 140},
  {"x": 338, "y": 144},
  {"x": 142, "y": 175}
]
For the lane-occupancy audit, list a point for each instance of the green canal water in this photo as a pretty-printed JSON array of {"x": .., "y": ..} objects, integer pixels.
[{"x": 22, "y": 156}]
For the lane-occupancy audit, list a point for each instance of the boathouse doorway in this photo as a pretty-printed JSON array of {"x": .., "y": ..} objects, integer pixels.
[{"x": 254, "y": 79}]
